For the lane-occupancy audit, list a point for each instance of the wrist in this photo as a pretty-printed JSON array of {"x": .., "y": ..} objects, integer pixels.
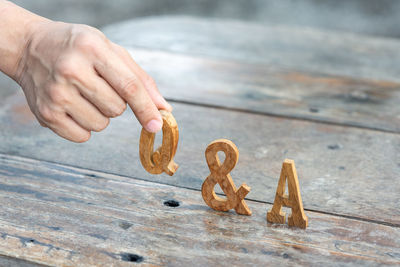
[{"x": 16, "y": 28}]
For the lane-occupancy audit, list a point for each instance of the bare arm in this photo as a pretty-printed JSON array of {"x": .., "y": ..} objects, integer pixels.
[{"x": 73, "y": 77}]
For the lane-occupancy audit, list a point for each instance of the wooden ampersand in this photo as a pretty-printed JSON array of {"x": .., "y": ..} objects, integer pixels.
[
  {"x": 161, "y": 160},
  {"x": 293, "y": 200},
  {"x": 220, "y": 174}
]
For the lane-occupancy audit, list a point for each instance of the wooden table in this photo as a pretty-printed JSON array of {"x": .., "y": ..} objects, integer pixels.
[{"x": 328, "y": 100}]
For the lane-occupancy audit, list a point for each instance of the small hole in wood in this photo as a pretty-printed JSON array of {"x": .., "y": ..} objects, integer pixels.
[
  {"x": 334, "y": 147},
  {"x": 171, "y": 203},
  {"x": 131, "y": 257},
  {"x": 285, "y": 256},
  {"x": 125, "y": 225},
  {"x": 31, "y": 240},
  {"x": 314, "y": 110}
]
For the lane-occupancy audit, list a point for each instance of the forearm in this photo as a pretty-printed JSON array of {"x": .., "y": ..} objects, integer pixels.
[{"x": 15, "y": 27}]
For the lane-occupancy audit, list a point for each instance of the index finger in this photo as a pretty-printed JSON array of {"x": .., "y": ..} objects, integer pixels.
[{"x": 128, "y": 85}]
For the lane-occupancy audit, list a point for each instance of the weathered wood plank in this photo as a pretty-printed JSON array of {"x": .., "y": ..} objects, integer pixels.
[
  {"x": 300, "y": 48},
  {"x": 327, "y": 76},
  {"x": 59, "y": 215},
  {"x": 12, "y": 262},
  {"x": 271, "y": 90},
  {"x": 341, "y": 170}
]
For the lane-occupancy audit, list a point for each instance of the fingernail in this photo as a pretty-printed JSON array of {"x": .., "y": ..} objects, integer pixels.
[{"x": 154, "y": 126}]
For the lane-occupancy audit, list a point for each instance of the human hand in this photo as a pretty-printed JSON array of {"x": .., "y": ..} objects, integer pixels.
[{"x": 75, "y": 79}]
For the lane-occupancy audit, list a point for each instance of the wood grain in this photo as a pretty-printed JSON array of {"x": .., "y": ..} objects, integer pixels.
[
  {"x": 162, "y": 159},
  {"x": 271, "y": 90},
  {"x": 332, "y": 161},
  {"x": 292, "y": 199},
  {"x": 57, "y": 215},
  {"x": 219, "y": 174},
  {"x": 12, "y": 262},
  {"x": 289, "y": 71},
  {"x": 300, "y": 48}
]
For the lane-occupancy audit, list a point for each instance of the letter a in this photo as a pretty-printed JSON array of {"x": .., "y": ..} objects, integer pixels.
[{"x": 293, "y": 200}]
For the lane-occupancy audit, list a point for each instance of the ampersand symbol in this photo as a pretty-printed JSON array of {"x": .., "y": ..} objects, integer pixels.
[
  {"x": 220, "y": 174},
  {"x": 161, "y": 160}
]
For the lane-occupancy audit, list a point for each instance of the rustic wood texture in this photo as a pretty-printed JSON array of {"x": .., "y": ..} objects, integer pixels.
[
  {"x": 219, "y": 174},
  {"x": 58, "y": 215},
  {"x": 343, "y": 170},
  {"x": 161, "y": 160},
  {"x": 14, "y": 262},
  {"x": 271, "y": 90},
  {"x": 299, "y": 72},
  {"x": 292, "y": 199},
  {"x": 301, "y": 48}
]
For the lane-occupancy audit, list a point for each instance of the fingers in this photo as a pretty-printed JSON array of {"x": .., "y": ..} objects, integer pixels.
[
  {"x": 77, "y": 80},
  {"x": 147, "y": 81},
  {"x": 129, "y": 86},
  {"x": 70, "y": 115},
  {"x": 66, "y": 127},
  {"x": 70, "y": 130},
  {"x": 101, "y": 95},
  {"x": 86, "y": 115}
]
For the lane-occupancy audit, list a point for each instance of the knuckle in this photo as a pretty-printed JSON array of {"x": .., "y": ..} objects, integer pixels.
[
  {"x": 142, "y": 112},
  {"x": 46, "y": 114},
  {"x": 118, "y": 110},
  {"x": 130, "y": 87},
  {"x": 99, "y": 33},
  {"x": 85, "y": 42},
  {"x": 91, "y": 91},
  {"x": 90, "y": 40},
  {"x": 67, "y": 68},
  {"x": 86, "y": 29},
  {"x": 59, "y": 96}
]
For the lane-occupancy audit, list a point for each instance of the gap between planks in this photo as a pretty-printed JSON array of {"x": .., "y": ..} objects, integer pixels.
[
  {"x": 277, "y": 115},
  {"x": 19, "y": 158},
  {"x": 9, "y": 261},
  {"x": 266, "y": 113}
]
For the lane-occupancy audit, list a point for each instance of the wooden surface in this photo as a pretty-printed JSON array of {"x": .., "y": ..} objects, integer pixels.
[
  {"x": 300, "y": 48},
  {"x": 338, "y": 119},
  {"x": 331, "y": 160},
  {"x": 59, "y": 215},
  {"x": 273, "y": 90},
  {"x": 299, "y": 72}
]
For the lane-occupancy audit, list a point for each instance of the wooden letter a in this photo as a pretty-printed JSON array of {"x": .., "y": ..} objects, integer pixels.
[{"x": 293, "y": 200}]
